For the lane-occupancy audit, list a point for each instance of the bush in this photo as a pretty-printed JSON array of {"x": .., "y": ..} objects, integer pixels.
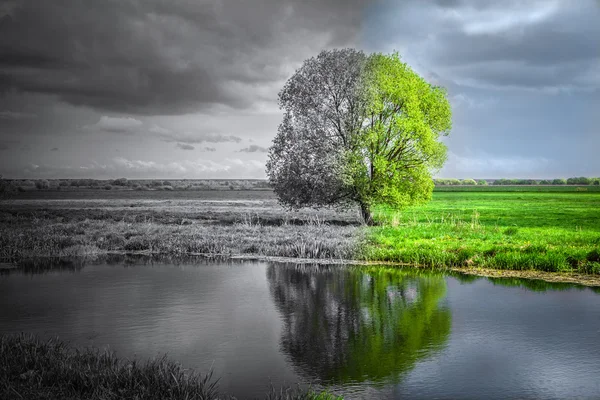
[
  {"x": 482, "y": 182},
  {"x": 469, "y": 182},
  {"x": 559, "y": 182},
  {"x": 582, "y": 180},
  {"x": 108, "y": 187},
  {"x": 119, "y": 182},
  {"x": 42, "y": 184}
]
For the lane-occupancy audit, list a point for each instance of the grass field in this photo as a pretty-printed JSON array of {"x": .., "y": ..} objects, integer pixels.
[
  {"x": 502, "y": 227},
  {"x": 90, "y": 223},
  {"x": 552, "y": 231}
]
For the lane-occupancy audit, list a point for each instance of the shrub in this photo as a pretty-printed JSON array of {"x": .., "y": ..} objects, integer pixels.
[
  {"x": 107, "y": 187},
  {"x": 482, "y": 182},
  {"x": 559, "y": 181},
  {"x": 582, "y": 180},
  {"x": 469, "y": 182},
  {"x": 120, "y": 182},
  {"x": 42, "y": 184}
]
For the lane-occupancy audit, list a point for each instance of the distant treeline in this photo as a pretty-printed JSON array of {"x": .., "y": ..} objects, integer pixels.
[
  {"x": 133, "y": 184},
  {"x": 484, "y": 182}
]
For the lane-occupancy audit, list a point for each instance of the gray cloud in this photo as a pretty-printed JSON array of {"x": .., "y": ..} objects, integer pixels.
[
  {"x": 539, "y": 44},
  {"x": 159, "y": 57},
  {"x": 254, "y": 149},
  {"x": 193, "y": 137},
  {"x": 143, "y": 169},
  {"x": 14, "y": 115},
  {"x": 54, "y": 149},
  {"x": 185, "y": 146},
  {"x": 125, "y": 125}
]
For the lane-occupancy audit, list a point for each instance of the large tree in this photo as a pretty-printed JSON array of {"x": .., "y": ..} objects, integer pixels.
[{"x": 358, "y": 129}]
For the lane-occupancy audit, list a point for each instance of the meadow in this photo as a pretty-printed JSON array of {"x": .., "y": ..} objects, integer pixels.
[
  {"x": 552, "y": 231},
  {"x": 472, "y": 228},
  {"x": 91, "y": 222}
]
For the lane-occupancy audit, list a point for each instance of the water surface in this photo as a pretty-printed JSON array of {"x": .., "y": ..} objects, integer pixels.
[{"x": 363, "y": 333}]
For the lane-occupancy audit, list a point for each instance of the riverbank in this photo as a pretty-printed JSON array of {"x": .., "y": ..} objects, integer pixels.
[
  {"x": 553, "y": 236},
  {"x": 31, "y": 368},
  {"x": 70, "y": 227}
]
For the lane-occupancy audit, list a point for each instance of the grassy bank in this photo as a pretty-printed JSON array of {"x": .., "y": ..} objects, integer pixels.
[
  {"x": 34, "y": 369},
  {"x": 65, "y": 227},
  {"x": 552, "y": 231}
]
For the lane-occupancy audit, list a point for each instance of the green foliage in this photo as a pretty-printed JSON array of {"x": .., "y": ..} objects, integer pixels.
[
  {"x": 582, "y": 180},
  {"x": 482, "y": 182},
  {"x": 468, "y": 182},
  {"x": 559, "y": 181},
  {"x": 385, "y": 321},
  {"x": 358, "y": 129}
]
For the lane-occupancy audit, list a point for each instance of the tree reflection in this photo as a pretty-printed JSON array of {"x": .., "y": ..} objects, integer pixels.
[{"x": 351, "y": 325}]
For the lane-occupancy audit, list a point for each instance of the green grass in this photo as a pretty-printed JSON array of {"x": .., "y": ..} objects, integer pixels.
[
  {"x": 34, "y": 369},
  {"x": 552, "y": 231}
]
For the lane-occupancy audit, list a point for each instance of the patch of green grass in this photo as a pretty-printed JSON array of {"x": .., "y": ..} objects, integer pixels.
[{"x": 517, "y": 231}]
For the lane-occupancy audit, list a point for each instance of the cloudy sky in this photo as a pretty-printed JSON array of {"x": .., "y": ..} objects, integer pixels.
[{"x": 188, "y": 88}]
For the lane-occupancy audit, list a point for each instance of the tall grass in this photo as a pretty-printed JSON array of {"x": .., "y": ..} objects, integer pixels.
[
  {"x": 555, "y": 232},
  {"x": 34, "y": 369}
]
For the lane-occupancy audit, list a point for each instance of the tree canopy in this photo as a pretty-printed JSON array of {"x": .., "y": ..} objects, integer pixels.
[
  {"x": 362, "y": 325},
  {"x": 358, "y": 129}
]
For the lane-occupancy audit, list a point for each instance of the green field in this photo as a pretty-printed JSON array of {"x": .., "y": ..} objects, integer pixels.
[
  {"x": 501, "y": 227},
  {"x": 551, "y": 231}
]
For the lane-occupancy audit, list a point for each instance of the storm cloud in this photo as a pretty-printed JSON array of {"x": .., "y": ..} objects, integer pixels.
[
  {"x": 124, "y": 77},
  {"x": 163, "y": 57}
]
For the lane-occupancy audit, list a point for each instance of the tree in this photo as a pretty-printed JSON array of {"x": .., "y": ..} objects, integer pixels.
[
  {"x": 362, "y": 325},
  {"x": 360, "y": 130}
]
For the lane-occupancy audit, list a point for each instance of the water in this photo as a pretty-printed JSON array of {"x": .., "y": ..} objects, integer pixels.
[{"x": 360, "y": 333}]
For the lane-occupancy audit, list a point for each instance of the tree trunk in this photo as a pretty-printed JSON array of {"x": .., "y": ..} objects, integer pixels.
[{"x": 365, "y": 212}]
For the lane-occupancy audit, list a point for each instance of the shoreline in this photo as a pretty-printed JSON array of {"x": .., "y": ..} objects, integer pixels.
[{"x": 587, "y": 280}]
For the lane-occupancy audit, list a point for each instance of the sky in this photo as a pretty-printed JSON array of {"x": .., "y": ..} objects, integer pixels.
[{"x": 188, "y": 88}]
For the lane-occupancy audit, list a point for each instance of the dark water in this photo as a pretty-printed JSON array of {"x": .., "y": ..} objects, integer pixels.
[{"x": 361, "y": 333}]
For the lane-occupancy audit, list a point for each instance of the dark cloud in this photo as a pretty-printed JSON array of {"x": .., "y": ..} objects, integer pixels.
[
  {"x": 164, "y": 57},
  {"x": 513, "y": 44},
  {"x": 54, "y": 149},
  {"x": 6, "y": 144},
  {"x": 253, "y": 149},
  {"x": 15, "y": 115},
  {"x": 125, "y": 125},
  {"x": 185, "y": 146},
  {"x": 193, "y": 137}
]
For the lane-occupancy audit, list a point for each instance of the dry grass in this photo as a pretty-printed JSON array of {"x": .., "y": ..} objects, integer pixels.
[{"x": 87, "y": 227}]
